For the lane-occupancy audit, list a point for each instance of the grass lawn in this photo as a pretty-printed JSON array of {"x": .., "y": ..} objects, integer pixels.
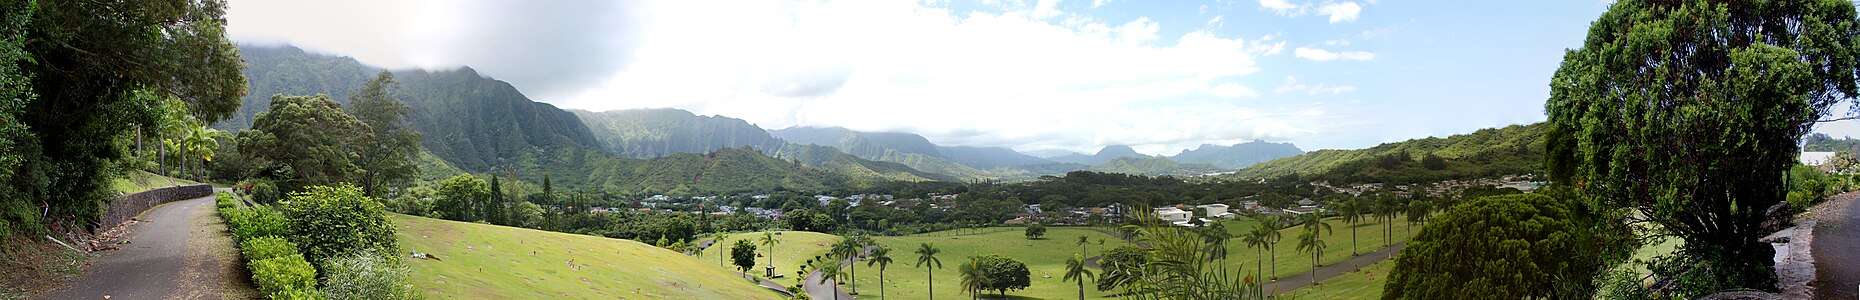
[
  {"x": 1363, "y": 284},
  {"x": 1292, "y": 262},
  {"x": 139, "y": 181},
  {"x": 495, "y": 262},
  {"x": 796, "y": 248},
  {"x": 1046, "y": 257}
]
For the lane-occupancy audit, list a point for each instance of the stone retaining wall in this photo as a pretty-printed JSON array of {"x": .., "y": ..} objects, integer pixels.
[{"x": 131, "y": 205}]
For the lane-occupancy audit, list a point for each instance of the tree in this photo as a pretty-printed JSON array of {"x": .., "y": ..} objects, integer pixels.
[
  {"x": 1121, "y": 267},
  {"x": 1310, "y": 239},
  {"x": 493, "y": 205},
  {"x": 1215, "y": 235},
  {"x": 769, "y": 240},
  {"x": 459, "y": 198},
  {"x": 830, "y": 271},
  {"x": 387, "y": 157},
  {"x": 880, "y": 256},
  {"x": 1035, "y": 231},
  {"x": 1351, "y": 213},
  {"x": 716, "y": 240},
  {"x": 743, "y": 255},
  {"x": 1082, "y": 241},
  {"x": 1076, "y": 271},
  {"x": 1694, "y": 123},
  {"x": 308, "y": 139},
  {"x": 1418, "y": 212},
  {"x": 527, "y": 215},
  {"x": 926, "y": 256},
  {"x": 77, "y": 78},
  {"x": 1270, "y": 225},
  {"x": 1499, "y": 247},
  {"x": 1259, "y": 239},
  {"x": 974, "y": 277}
]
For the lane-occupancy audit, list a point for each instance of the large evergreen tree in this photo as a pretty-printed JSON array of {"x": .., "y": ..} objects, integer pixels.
[
  {"x": 1689, "y": 112},
  {"x": 307, "y": 141},
  {"x": 387, "y": 157}
]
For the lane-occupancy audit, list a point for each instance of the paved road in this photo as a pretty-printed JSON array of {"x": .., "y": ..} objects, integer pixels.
[
  {"x": 160, "y": 262},
  {"x": 817, "y": 290},
  {"x": 1835, "y": 246}
]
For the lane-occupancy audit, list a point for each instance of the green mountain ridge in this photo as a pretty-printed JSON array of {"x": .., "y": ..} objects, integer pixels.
[{"x": 1491, "y": 152}]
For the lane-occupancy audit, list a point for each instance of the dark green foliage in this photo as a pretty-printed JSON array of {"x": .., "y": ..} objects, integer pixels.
[
  {"x": 266, "y": 247},
  {"x": 1035, "y": 231},
  {"x": 79, "y": 77},
  {"x": 306, "y": 141},
  {"x": 1690, "y": 113},
  {"x": 1121, "y": 266},
  {"x": 1821, "y": 142},
  {"x": 265, "y": 191},
  {"x": 649, "y": 133},
  {"x": 387, "y": 157},
  {"x": 1502, "y": 247},
  {"x": 1000, "y": 273},
  {"x": 1155, "y": 166},
  {"x": 743, "y": 255},
  {"x": 331, "y": 222},
  {"x": 461, "y": 198},
  {"x": 259, "y": 221},
  {"x": 283, "y": 275}
]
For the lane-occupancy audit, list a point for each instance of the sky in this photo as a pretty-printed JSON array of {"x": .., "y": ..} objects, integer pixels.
[{"x": 1078, "y": 75}]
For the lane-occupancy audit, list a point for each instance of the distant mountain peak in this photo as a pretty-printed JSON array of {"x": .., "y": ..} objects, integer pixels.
[{"x": 1117, "y": 151}]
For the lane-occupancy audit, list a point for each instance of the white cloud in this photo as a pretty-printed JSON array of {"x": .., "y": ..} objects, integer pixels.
[
  {"x": 1070, "y": 82},
  {"x": 1283, "y": 7},
  {"x": 1337, "y": 42},
  {"x": 1326, "y": 55},
  {"x": 1046, "y": 9},
  {"x": 1292, "y": 85},
  {"x": 1213, "y": 23},
  {"x": 1097, "y": 3},
  {"x": 1341, "y": 11}
]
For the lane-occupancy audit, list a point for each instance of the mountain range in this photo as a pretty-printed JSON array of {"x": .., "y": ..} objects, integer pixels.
[{"x": 480, "y": 124}]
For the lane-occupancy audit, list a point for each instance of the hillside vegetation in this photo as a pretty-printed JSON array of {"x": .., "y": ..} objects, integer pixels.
[
  {"x": 1511, "y": 150},
  {"x": 478, "y": 261}
]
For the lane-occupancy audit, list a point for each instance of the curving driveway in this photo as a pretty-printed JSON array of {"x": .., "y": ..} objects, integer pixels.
[{"x": 179, "y": 251}]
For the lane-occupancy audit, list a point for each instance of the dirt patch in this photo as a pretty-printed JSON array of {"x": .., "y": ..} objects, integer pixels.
[
  {"x": 1829, "y": 213},
  {"x": 30, "y": 266}
]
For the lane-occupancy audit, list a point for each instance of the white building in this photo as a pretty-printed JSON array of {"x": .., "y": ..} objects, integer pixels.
[
  {"x": 1816, "y": 158},
  {"x": 1215, "y": 211},
  {"x": 1173, "y": 215}
]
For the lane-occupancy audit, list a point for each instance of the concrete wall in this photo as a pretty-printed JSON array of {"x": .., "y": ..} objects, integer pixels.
[{"x": 131, "y": 205}]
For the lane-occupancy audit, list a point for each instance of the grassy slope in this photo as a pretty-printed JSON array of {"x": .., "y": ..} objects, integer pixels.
[
  {"x": 1337, "y": 247},
  {"x": 796, "y": 247},
  {"x": 1046, "y": 257},
  {"x": 1363, "y": 284},
  {"x": 1490, "y": 140},
  {"x": 496, "y": 262},
  {"x": 139, "y": 181}
]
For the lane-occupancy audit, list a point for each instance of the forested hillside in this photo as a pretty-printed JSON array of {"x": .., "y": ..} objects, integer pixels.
[
  {"x": 648, "y": 133},
  {"x": 1155, "y": 166},
  {"x": 1239, "y": 155},
  {"x": 1511, "y": 150}
]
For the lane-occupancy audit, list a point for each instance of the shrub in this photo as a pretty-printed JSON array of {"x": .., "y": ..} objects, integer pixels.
[
  {"x": 266, "y": 247},
  {"x": 338, "y": 221},
  {"x": 223, "y": 200},
  {"x": 265, "y": 191},
  {"x": 258, "y": 222},
  {"x": 367, "y": 276},
  {"x": 283, "y": 274},
  {"x": 296, "y": 295}
]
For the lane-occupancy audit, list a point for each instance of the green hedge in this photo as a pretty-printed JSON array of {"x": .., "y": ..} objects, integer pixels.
[
  {"x": 283, "y": 275},
  {"x": 333, "y": 222},
  {"x": 266, "y": 247},
  {"x": 260, "y": 221}
]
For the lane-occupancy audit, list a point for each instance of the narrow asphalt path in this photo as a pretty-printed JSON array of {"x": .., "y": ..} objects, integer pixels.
[
  {"x": 817, "y": 290},
  {"x": 1837, "y": 240},
  {"x": 168, "y": 255}
]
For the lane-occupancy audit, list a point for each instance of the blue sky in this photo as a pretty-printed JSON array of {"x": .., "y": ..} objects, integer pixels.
[{"x": 1161, "y": 76}]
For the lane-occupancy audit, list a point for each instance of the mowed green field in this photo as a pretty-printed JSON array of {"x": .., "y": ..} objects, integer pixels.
[
  {"x": 1293, "y": 262},
  {"x": 796, "y": 248},
  {"x": 1046, "y": 257},
  {"x": 481, "y": 261},
  {"x": 1362, "y": 284}
]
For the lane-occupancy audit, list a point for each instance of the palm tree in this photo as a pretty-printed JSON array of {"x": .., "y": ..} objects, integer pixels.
[
  {"x": 1076, "y": 271},
  {"x": 1257, "y": 239},
  {"x": 1311, "y": 241},
  {"x": 1272, "y": 223},
  {"x": 716, "y": 240},
  {"x": 1418, "y": 211},
  {"x": 1130, "y": 232},
  {"x": 880, "y": 256},
  {"x": 972, "y": 276},
  {"x": 769, "y": 240},
  {"x": 1215, "y": 235},
  {"x": 1352, "y": 214},
  {"x": 830, "y": 271},
  {"x": 926, "y": 255},
  {"x": 1082, "y": 241}
]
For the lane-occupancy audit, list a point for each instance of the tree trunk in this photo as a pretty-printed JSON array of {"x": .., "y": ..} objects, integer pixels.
[{"x": 1353, "y": 239}]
